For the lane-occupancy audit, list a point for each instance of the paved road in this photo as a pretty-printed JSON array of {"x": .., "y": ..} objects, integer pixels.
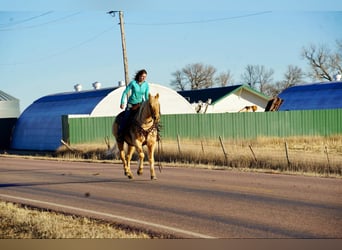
[{"x": 184, "y": 202}]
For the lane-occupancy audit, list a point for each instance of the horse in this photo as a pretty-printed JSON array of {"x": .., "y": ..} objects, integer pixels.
[{"x": 142, "y": 131}]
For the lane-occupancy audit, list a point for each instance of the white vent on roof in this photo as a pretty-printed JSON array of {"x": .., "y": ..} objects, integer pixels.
[
  {"x": 96, "y": 85},
  {"x": 338, "y": 77},
  {"x": 121, "y": 83},
  {"x": 78, "y": 87}
]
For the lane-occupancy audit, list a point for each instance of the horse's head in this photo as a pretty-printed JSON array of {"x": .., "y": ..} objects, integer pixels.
[{"x": 155, "y": 107}]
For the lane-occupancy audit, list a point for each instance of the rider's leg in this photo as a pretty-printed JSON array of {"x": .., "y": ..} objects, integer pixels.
[{"x": 123, "y": 124}]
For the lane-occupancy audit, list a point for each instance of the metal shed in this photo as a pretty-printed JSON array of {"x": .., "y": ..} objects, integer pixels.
[
  {"x": 312, "y": 96},
  {"x": 40, "y": 126}
]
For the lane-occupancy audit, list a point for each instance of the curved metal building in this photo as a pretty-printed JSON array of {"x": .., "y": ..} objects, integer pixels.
[
  {"x": 40, "y": 126},
  {"x": 312, "y": 96},
  {"x": 9, "y": 112}
]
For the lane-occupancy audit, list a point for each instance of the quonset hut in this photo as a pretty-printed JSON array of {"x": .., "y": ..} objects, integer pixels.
[
  {"x": 39, "y": 127},
  {"x": 312, "y": 96},
  {"x": 9, "y": 112}
]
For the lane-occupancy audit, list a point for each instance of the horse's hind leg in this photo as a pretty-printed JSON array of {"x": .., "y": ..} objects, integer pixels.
[{"x": 127, "y": 170}]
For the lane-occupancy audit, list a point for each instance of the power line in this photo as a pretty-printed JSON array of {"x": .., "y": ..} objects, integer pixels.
[
  {"x": 201, "y": 21},
  {"x": 61, "y": 51},
  {"x": 42, "y": 24},
  {"x": 25, "y": 20}
]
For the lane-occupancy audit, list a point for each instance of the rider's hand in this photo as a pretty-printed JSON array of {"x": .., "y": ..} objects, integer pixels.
[{"x": 122, "y": 106}]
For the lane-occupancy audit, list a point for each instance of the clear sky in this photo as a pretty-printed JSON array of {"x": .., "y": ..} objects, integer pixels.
[{"x": 47, "y": 48}]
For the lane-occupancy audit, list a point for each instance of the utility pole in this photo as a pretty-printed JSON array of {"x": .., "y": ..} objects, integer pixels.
[{"x": 123, "y": 42}]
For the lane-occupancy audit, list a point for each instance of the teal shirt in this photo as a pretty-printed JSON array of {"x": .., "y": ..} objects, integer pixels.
[{"x": 139, "y": 92}]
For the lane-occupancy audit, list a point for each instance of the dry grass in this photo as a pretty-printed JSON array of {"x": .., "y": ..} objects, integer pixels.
[
  {"x": 303, "y": 154},
  {"x": 317, "y": 155},
  {"x": 17, "y": 222}
]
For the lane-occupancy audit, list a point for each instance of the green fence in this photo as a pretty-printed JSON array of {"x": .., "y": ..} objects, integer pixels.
[
  {"x": 210, "y": 126},
  {"x": 86, "y": 129}
]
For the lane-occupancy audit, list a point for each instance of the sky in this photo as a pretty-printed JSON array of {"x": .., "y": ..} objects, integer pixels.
[{"x": 47, "y": 48}]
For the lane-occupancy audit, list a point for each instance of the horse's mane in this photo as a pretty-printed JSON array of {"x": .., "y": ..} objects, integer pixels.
[{"x": 144, "y": 105}]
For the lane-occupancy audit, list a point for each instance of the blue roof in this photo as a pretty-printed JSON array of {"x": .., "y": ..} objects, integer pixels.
[
  {"x": 39, "y": 127},
  {"x": 312, "y": 96}
]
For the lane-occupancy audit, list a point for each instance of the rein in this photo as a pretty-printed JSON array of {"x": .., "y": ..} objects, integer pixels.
[{"x": 149, "y": 130}]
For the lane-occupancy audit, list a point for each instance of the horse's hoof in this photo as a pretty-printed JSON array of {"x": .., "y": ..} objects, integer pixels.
[
  {"x": 153, "y": 178},
  {"x": 140, "y": 172},
  {"x": 130, "y": 176}
]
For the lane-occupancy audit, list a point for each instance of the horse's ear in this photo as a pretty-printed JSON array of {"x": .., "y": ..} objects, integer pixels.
[
  {"x": 157, "y": 95},
  {"x": 149, "y": 95}
]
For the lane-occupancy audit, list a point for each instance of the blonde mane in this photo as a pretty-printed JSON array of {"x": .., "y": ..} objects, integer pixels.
[{"x": 149, "y": 110}]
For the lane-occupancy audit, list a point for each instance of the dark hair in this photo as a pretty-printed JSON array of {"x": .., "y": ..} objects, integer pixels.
[{"x": 139, "y": 73}]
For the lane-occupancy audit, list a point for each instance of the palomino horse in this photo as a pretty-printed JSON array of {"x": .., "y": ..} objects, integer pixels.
[{"x": 142, "y": 131}]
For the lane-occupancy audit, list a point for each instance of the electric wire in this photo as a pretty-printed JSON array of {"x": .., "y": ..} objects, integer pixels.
[
  {"x": 63, "y": 51},
  {"x": 25, "y": 20},
  {"x": 200, "y": 21},
  {"x": 41, "y": 24}
]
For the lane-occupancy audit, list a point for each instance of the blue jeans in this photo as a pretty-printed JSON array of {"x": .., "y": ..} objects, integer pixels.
[{"x": 123, "y": 122}]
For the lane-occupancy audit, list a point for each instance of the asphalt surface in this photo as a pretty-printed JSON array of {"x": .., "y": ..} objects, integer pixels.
[{"x": 183, "y": 202}]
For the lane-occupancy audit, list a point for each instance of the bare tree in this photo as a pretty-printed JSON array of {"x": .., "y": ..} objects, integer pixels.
[
  {"x": 323, "y": 62},
  {"x": 199, "y": 76},
  {"x": 257, "y": 76},
  {"x": 293, "y": 76},
  {"x": 249, "y": 76},
  {"x": 179, "y": 82},
  {"x": 336, "y": 59},
  {"x": 273, "y": 90},
  {"x": 225, "y": 79}
]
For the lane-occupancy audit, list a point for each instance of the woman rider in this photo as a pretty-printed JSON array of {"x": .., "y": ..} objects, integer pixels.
[{"x": 139, "y": 90}]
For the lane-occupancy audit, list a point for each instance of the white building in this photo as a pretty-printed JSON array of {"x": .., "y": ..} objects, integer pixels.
[{"x": 225, "y": 99}]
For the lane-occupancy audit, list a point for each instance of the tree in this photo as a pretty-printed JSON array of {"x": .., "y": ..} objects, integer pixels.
[
  {"x": 225, "y": 79},
  {"x": 249, "y": 76},
  {"x": 257, "y": 76},
  {"x": 323, "y": 62},
  {"x": 199, "y": 76},
  {"x": 293, "y": 76},
  {"x": 179, "y": 82}
]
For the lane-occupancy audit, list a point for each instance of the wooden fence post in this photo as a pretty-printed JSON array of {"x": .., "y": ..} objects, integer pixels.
[
  {"x": 326, "y": 152},
  {"x": 287, "y": 155},
  {"x": 250, "y": 147},
  {"x": 224, "y": 151},
  {"x": 178, "y": 142}
]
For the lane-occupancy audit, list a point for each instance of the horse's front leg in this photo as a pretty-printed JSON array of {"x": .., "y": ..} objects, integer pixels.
[
  {"x": 130, "y": 152},
  {"x": 122, "y": 156},
  {"x": 141, "y": 159},
  {"x": 151, "y": 148}
]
